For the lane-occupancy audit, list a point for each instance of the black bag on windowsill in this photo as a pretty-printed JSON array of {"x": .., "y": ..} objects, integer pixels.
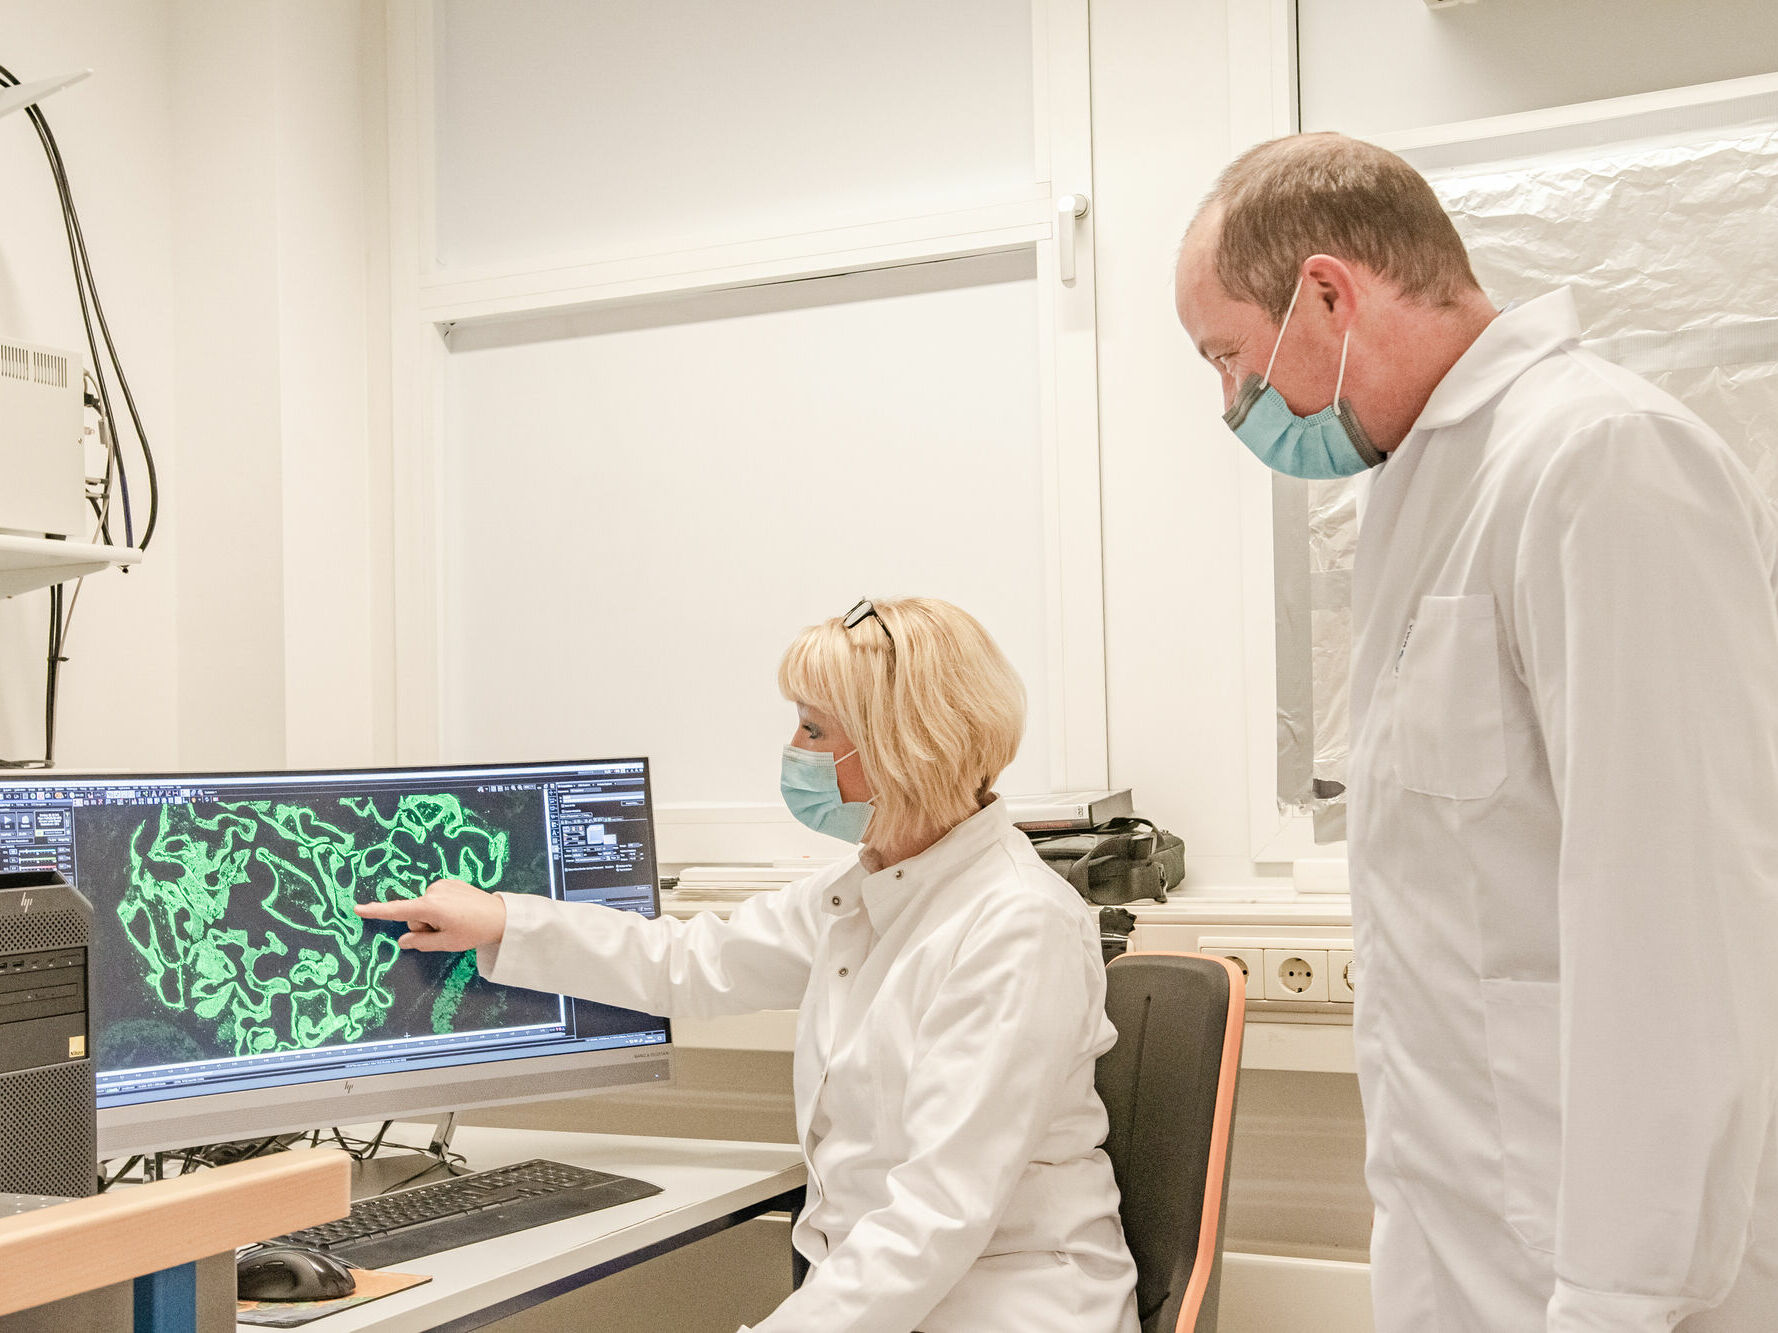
[
  {"x": 1115, "y": 925},
  {"x": 1116, "y": 862}
]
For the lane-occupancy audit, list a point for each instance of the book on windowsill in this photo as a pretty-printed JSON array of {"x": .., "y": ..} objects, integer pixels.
[{"x": 1067, "y": 809}]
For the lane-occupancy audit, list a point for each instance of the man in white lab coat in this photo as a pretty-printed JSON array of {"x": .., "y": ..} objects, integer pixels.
[{"x": 1564, "y": 773}]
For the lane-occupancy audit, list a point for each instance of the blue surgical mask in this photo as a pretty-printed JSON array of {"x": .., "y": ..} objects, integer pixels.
[
  {"x": 810, "y": 782},
  {"x": 1329, "y": 444}
]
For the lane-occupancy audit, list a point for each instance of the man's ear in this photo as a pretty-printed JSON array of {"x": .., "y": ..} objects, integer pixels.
[{"x": 1332, "y": 282}]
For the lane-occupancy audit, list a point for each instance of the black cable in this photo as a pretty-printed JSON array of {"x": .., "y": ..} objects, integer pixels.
[
  {"x": 51, "y": 685},
  {"x": 53, "y": 675},
  {"x": 154, "y": 1166},
  {"x": 92, "y": 310},
  {"x": 82, "y": 278},
  {"x": 123, "y": 480},
  {"x": 113, "y": 460},
  {"x": 360, "y": 1150},
  {"x": 377, "y": 1142},
  {"x": 85, "y": 285},
  {"x": 106, "y": 1182}
]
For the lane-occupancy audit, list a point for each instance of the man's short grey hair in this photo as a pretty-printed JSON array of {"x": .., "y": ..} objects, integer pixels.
[{"x": 1326, "y": 194}]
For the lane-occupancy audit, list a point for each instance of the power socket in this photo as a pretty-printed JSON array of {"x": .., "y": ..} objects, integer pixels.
[
  {"x": 1296, "y": 974},
  {"x": 1251, "y": 959},
  {"x": 1286, "y": 975}
]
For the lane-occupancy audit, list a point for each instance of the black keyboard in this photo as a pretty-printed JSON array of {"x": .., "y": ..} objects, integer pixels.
[{"x": 392, "y": 1228}]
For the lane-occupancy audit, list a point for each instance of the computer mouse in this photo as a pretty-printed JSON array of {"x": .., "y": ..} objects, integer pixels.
[{"x": 291, "y": 1273}]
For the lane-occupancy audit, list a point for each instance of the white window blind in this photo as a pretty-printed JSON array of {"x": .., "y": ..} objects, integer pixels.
[
  {"x": 642, "y": 507},
  {"x": 570, "y": 127}
]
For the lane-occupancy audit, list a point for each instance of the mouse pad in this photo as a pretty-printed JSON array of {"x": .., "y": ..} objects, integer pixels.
[{"x": 372, "y": 1284}]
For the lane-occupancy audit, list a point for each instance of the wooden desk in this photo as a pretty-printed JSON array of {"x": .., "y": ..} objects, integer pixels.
[
  {"x": 706, "y": 1185},
  {"x": 155, "y": 1233}
]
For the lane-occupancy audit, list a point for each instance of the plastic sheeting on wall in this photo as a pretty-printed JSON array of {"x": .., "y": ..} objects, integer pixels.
[{"x": 1667, "y": 247}]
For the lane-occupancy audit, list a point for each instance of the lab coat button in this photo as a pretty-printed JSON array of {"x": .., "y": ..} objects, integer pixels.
[
  {"x": 844, "y": 971},
  {"x": 836, "y": 901},
  {"x": 898, "y": 874}
]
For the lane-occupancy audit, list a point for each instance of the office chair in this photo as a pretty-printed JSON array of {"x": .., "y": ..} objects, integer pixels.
[{"x": 1169, "y": 1089}]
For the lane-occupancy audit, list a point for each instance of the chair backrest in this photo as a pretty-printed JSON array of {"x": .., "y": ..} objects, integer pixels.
[{"x": 1169, "y": 1089}]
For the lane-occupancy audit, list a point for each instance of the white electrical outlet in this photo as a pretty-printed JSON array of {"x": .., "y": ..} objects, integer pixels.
[
  {"x": 1250, "y": 958},
  {"x": 1342, "y": 975},
  {"x": 1296, "y": 974},
  {"x": 1286, "y": 976}
]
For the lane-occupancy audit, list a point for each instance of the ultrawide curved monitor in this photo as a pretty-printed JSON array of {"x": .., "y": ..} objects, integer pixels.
[{"x": 236, "y": 994}]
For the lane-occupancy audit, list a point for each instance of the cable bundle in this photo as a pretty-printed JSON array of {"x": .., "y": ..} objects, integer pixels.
[{"x": 98, "y": 397}]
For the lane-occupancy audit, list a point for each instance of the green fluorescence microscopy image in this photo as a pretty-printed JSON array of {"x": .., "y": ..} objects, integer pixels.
[{"x": 229, "y": 932}]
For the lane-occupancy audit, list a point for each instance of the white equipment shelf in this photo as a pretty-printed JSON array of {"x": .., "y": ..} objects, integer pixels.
[{"x": 38, "y": 562}]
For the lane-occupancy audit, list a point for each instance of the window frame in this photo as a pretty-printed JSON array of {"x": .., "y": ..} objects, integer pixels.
[{"x": 427, "y": 302}]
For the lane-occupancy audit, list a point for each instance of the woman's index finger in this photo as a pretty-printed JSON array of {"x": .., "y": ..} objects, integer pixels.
[{"x": 389, "y": 911}]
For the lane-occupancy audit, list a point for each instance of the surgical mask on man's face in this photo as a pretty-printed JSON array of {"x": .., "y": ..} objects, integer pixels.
[
  {"x": 810, "y": 783},
  {"x": 1329, "y": 444}
]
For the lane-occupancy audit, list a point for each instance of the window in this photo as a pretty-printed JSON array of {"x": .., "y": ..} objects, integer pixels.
[{"x": 711, "y": 320}]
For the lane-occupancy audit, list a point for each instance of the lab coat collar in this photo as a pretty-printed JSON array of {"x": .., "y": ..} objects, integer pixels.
[
  {"x": 1513, "y": 342},
  {"x": 888, "y": 893}
]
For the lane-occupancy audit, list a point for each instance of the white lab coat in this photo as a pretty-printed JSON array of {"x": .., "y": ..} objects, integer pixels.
[
  {"x": 1564, "y": 844},
  {"x": 952, "y": 1011}
]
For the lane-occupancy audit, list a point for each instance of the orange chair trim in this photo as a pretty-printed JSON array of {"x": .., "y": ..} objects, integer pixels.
[{"x": 1219, "y": 1133}]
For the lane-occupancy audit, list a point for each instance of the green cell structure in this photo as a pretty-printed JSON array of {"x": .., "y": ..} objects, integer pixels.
[{"x": 242, "y": 912}]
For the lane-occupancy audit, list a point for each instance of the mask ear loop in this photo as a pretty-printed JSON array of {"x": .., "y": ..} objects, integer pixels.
[
  {"x": 1281, "y": 327},
  {"x": 872, "y": 799},
  {"x": 1340, "y": 383}
]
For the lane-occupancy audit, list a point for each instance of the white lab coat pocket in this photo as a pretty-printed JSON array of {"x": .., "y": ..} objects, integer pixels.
[
  {"x": 1523, "y": 1021},
  {"x": 1450, "y": 735}
]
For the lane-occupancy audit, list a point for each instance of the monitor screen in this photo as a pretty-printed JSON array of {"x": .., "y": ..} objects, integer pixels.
[{"x": 236, "y": 993}]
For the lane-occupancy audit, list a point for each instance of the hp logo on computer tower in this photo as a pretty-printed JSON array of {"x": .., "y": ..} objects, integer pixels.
[{"x": 47, "y": 1101}]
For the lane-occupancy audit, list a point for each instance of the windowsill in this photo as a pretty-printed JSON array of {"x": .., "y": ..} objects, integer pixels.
[{"x": 1209, "y": 905}]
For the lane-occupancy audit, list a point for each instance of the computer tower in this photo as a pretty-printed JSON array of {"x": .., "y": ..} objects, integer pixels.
[{"x": 47, "y": 1100}]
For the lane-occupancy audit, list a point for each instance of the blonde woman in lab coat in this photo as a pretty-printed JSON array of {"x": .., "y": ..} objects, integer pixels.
[{"x": 951, "y": 992}]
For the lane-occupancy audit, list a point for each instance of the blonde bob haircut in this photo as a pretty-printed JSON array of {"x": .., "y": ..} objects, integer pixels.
[{"x": 926, "y": 695}]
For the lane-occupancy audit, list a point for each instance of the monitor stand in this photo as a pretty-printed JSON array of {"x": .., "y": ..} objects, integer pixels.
[{"x": 396, "y": 1170}]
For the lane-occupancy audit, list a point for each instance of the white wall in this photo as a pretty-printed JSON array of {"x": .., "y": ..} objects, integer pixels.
[
  {"x": 280, "y": 652},
  {"x": 335, "y": 491},
  {"x": 1375, "y": 66},
  {"x": 226, "y": 490},
  {"x": 225, "y": 157}
]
